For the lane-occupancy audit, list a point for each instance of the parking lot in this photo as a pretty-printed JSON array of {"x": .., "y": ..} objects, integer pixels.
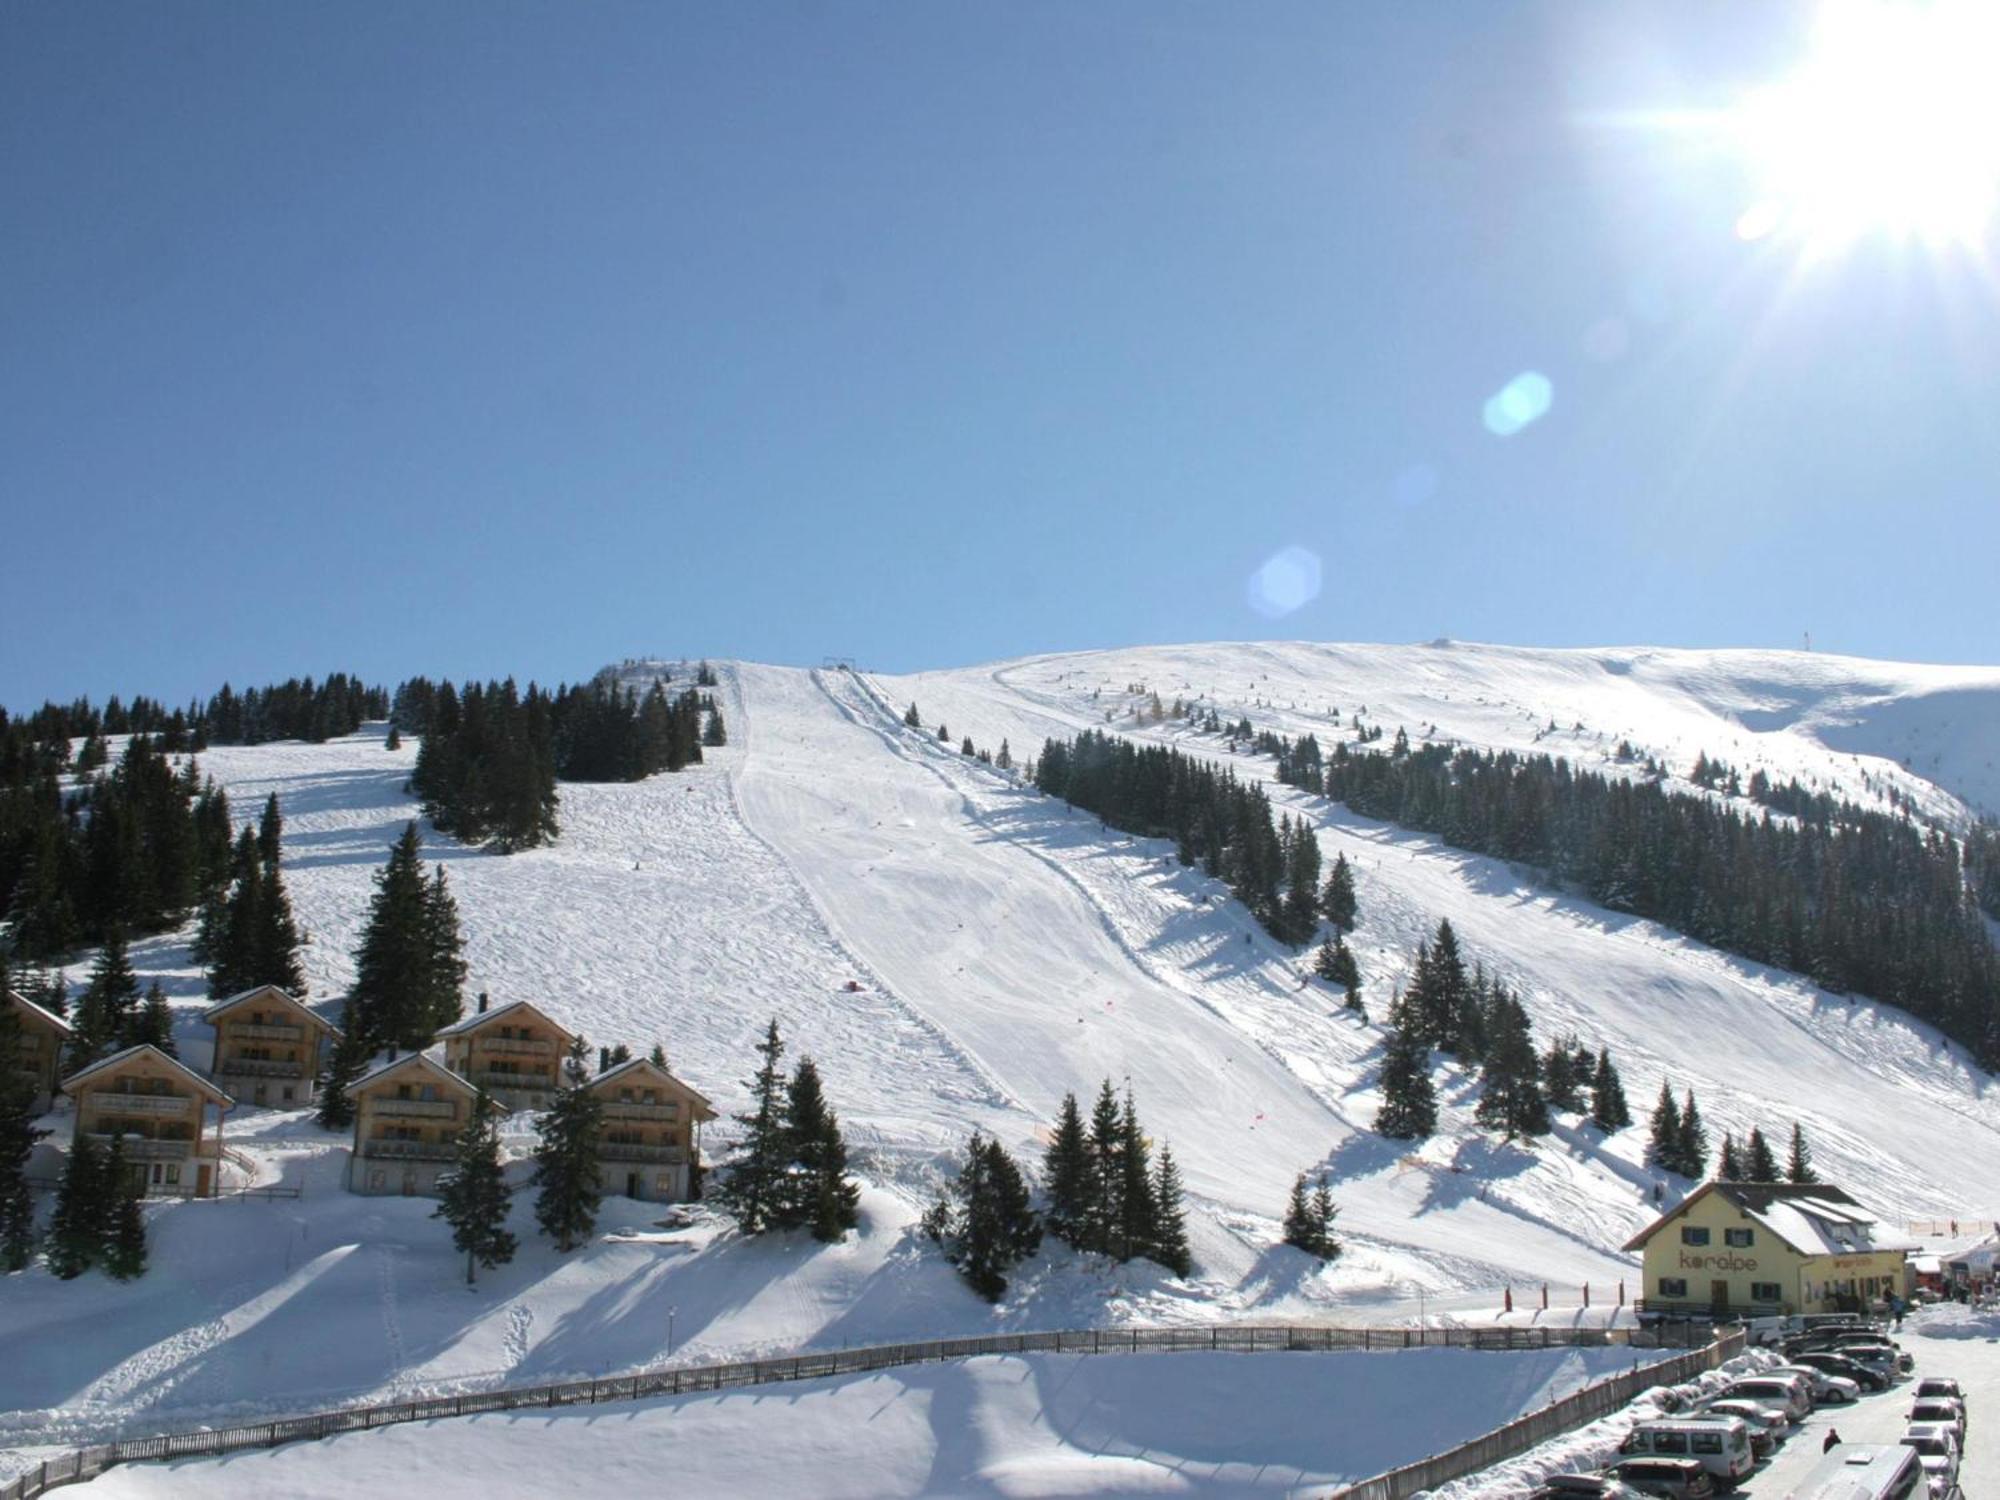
[{"x": 1973, "y": 1362}]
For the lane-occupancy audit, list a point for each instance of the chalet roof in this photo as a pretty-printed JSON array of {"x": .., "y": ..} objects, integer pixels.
[
  {"x": 641, "y": 1065},
  {"x": 429, "y": 1066},
  {"x": 147, "y": 1051},
  {"x": 268, "y": 992},
  {"x": 1813, "y": 1218},
  {"x": 483, "y": 1018},
  {"x": 41, "y": 1014}
]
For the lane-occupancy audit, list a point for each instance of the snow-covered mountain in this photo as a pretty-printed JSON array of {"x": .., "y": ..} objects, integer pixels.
[{"x": 958, "y": 952}]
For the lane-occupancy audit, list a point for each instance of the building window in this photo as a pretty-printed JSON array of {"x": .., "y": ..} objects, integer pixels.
[
  {"x": 1673, "y": 1286},
  {"x": 173, "y": 1174},
  {"x": 1765, "y": 1291},
  {"x": 377, "y": 1180},
  {"x": 1739, "y": 1238},
  {"x": 1693, "y": 1234}
]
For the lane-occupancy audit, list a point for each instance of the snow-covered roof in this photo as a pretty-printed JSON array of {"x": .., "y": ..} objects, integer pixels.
[
  {"x": 1812, "y": 1218},
  {"x": 267, "y": 992},
  {"x": 40, "y": 1012},
  {"x": 147, "y": 1051},
  {"x": 430, "y": 1065},
  {"x": 636, "y": 1065},
  {"x": 481, "y": 1018}
]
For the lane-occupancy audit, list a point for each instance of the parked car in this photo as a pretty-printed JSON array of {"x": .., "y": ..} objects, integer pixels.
[
  {"x": 1938, "y": 1385},
  {"x": 1719, "y": 1444},
  {"x": 1768, "y": 1425},
  {"x": 1827, "y": 1389},
  {"x": 1937, "y": 1450},
  {"x": 1870, "y": 1350},
  {"x": 1583, "y": 1487},
  {"x": 1789, "y": 1393},
  {"x": 1882, "y": 1361},
  {"x": 1864, "y": 1471},
  {"x": 1865, "y": 1376},
  {"x": 1669, "y": 1478},
  {"x": 1941, "y": 1410}
]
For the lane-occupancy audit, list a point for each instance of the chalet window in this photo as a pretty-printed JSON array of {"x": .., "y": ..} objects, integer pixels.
[
  {"x": 1741, "y": 1239},
  {"x": 650, "y": 1097},
  {"x": 430, "y": 1092},
  {"x": 173, "y": 1174},
  {"x": 625, "y": 1096},
  {"x": 1693, "y": 1234},
  {"x": 402, "y": 1091},
  {"x": 1765, "y": 1291},
  {"x": 1673, "y": 1286}
]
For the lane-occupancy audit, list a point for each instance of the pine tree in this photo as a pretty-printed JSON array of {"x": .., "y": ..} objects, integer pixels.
[
  {"x": 1107, "y": 1174},
  {"x": 1511, "y": 1097},
  {"x": 395, "y": 739},
  {"x": 1168, "y": 1238},
  {"x": 75, "y": 1230},
  {"x": 348, "y": 1061},
  {"x": 1336, "y": 901},
  {"x": 713, "y": 735},
  {"x": 475, "y": 1195},
  {"x": 910, "y": 717},
  {"x": 104, "y": 1014},
  {"x": 154, "y": 1024},
  {"x": 658, "y": 1057},
  {"x": 751, "y": 1190},
  {"x": 566, "y": 1137},
  {"x": 986, "y": 1223},
  {"x": 1409, "y": 1101},
  {"x": 444, "y": 977},
  {"x": 1663, "y": 1147},
  {"x": 121, "y": 1225},
  {"x": 1138, "y": 1208},
  {"x": 817, "y": 1191},
  {"x": 1759, "y": 1163},
  {"x": 1800, "y": 1168},
  {"x": 390, "y": 1002},
  {"x": 18, "y": 1137},
  {"x": 1728, "y": 1164},
  {"x": 277, "y": 940},
  {"x": 1066, "y": 1174},
  {"x": 1327, "y": 1246},
  {"x": 1693, "y": 1152},
  {"x": 1299, "y": 1226},
  {"x": 1608, "y": 1109},
  {"x": 270, "y": 832}
]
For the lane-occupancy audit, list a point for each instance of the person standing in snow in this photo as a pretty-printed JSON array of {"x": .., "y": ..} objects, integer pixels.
[{"x": 1832, "y": 1440}]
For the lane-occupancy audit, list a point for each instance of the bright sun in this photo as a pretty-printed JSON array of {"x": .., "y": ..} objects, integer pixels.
[{"x": 1892, "y": 124}]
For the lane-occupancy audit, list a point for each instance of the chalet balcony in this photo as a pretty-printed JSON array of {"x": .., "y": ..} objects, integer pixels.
[
  {"x": 267, "y": 1031},
  {"x": 671, "y": 1156},
  {"x": 163, "y": 1105},
  {"x": 618, "y": 1109},
  {"x": 529, "y": 1083},
  {"x": 511, "y": 1046},
  {"x": 257, "y": 1067},
  {"x": 145, "y": 1148},
  {"x": 408, "y": 1150},
  {"x": 420, "y": 1109}
]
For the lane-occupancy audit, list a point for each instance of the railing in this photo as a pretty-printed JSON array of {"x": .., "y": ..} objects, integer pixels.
[
  {"x": 409, "y": 1150},
  {"x": 87, "y": 1463},
  {"x": 1518, "y": 1436},
  {"x": 519, "y": 1083},
  {"x": 111, "y": 1102},
  {"x": 620, "y": 1109},
  {"x": 428, "y": 1109},
  {"x": 272, "y": 1031},
  {"x": 634, "y": 1151},
  {"x": 144, "y": 1147},
  {"x": 258, "y": 1067},
  {"x": 514, "y": 1046}
]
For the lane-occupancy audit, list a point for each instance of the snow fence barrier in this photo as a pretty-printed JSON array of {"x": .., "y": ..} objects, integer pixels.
[
  {"x": 79, "y": 1465},
  {"x": 1553, "y": 1420}
]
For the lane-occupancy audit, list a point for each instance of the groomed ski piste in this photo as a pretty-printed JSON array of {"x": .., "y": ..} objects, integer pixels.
[{"x": 958, "y": 952}]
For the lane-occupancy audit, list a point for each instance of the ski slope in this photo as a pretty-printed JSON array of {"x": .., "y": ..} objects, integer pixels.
[{"x": 958, "y": 952}]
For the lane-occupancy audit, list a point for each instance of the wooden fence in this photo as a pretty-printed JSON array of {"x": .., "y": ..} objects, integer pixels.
[
  {"x": 82, "y": 1464},
  {"x": 1518, "y": 1436}
]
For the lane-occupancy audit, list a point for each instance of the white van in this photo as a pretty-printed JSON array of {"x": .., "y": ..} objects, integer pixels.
[
  {"x": 1865, "y": 1471},
  {"x": 1788, "y": 1392},
  {"x": 1720, "y": 1445}
]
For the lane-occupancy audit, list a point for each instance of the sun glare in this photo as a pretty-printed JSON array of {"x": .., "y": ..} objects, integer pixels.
[{"x": 1892, "y": 125}]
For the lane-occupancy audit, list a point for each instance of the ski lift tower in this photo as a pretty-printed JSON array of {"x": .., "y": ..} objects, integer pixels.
[{"x": 838, "y": 664}]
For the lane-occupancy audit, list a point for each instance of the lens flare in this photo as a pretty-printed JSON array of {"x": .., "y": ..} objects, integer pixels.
[
  {"x": 1520, "y": 403},
  {"x": 1289, "y": 580}
]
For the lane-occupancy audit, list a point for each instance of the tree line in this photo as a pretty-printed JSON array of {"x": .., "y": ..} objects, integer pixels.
[
  {"x": 1861, "y": 902},
  {"x": 1678, "y": 1143},
  {"x": 296, "y": 709}
]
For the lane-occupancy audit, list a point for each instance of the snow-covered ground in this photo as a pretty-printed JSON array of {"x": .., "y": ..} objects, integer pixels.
[
  {"x": 1004, "y": 950},
  {"x": 1015, "y": 1426}
]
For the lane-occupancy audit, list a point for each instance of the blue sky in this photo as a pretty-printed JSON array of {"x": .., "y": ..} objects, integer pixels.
[{"x": 480, "y": 339}]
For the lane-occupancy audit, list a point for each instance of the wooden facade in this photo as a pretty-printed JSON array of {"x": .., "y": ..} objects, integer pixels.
[
  {"x": 650, "y": 1138},
  {"x": 43, "y": 1037},
  {"x": 267, "y": 1047},
  {"x": 161, "y": 1108},
  {"x": 405, "y": 1114},
  {"x": 514, "y": 1052}
]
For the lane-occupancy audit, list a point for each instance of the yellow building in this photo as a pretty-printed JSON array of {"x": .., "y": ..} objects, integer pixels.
[
  {"x": 267, "y": 1047},
  {"x": 405, "y": 1114},
  {"x": 650, "y": 1135},
  {"x": 161, "y": 1108},
  {"x": 515, "y": 1053},
  {"x": 1757, "y": 1249},
  {"x": 43, "y": 1037}
]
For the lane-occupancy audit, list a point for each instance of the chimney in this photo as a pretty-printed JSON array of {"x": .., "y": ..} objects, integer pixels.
[{"x": 482, "y": 1002}]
